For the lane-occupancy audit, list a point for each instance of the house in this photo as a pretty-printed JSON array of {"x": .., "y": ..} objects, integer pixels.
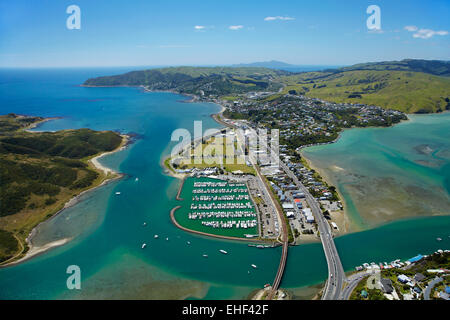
[
  {"x": 386, "y": 285},
  {"x": 403, "y": 279},
  {"x": 364, "y": 294},
  {"x": 419, "y": 277}
]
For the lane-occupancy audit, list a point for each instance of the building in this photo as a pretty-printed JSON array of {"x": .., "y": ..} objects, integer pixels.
[
  {"x": 386, "y": 285},
  {"x": 419, "y": 277},
  {"x": 403, "y": 279},
  {"x": 364, "y": 294}
]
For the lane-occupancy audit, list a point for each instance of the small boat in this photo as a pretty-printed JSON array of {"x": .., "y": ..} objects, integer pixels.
[
  {"x": 117, "y": 193},
  {"x": 167, "y": 239},
  {"x": 144, "y": 224},
  {"x": 156, "y": 236},
  {"x": 205, "y": 256},
  {"x": 254, "y": 266},
  {"x": 144, "y": 245},
  {"x": 223, "y": 251},
  {"x": 438, "y": 239},
  {"x": 188, "y": 242},
  {"x": 137, "y": 179}
]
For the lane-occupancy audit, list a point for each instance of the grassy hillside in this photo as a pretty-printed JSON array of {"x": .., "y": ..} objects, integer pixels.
[
  {"x": 192, "y": 80},
  {"x": 400, "y": 90},
  {"x": 40, "y": 172},
  {"x": 408, "y": 85},
  {"x": 435, "y": 67}
]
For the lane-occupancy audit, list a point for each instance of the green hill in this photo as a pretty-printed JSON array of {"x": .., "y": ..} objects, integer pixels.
[
  {"x": 40, "y": 172},
  {"x": 410, "y": 92},
  {"x": 193, "y": 80},
  {"x": 409, "y": 85},
  {"x": 435, "y": 67}
]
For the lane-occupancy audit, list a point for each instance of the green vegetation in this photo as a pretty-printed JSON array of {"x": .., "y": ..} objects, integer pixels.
[
  {"x": 411, "y": 92},
  {"x": 39, "y": 172},
  {"x": 411, "y": 86},
  {"x": 433, "y": 261},
  {"x": 211, "y": 81},
  {"x": 8, "y": 245}
]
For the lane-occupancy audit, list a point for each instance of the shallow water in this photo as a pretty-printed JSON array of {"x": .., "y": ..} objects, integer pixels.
[
  {"x": 385, "y": 174},
  {"x": 108, "y": 229}
]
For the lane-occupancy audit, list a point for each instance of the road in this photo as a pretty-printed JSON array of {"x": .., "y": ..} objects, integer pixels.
[
  {"x": 352, "y": 281},
  {"x": 336, "y": 274},
  {"x": 284, "y": 239},
  {"x": 430, "y": 286}
]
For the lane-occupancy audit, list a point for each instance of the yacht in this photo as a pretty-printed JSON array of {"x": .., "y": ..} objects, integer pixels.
[
  {"x": 144, "y": 245},
  {"x": 254, "y": 266},
  {"x": 156, "y": 236},
  {"x": 117, "y": 193},
  {"x": 205, "y": 256},
  {"x": 223, "y": 251}
]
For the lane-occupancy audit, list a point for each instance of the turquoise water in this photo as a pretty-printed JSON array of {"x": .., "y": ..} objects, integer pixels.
[
  {"x": 107, "y": 229},
  {"x": 385, "y": 174}
]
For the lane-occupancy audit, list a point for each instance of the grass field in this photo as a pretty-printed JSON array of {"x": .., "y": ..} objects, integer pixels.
[{"x": 406, "y": 91}]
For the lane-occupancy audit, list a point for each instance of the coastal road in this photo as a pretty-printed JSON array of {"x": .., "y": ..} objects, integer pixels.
[{"x": 336, "y": 274}]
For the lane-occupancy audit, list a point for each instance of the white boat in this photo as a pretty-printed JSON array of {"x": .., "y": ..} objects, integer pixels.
[
  {"x": 254, "y": 266},
  {"x": 118, "y": 193},
  {"x": 188, "y": 242},
  {"x": 205, "y": 256},
  {"x": 156, "y": 236},
  {"x": 167, "y": 239},
  {"x": 438, "y": 239},
  {"x": 144, "y": 245},
  {"x": 223, "y": 251},
  {"x": 137, "y": 179},
  {"x": 144, "y": 224}
]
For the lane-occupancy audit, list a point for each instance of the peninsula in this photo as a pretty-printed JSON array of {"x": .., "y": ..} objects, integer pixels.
[{"x": 42, "y": 173}]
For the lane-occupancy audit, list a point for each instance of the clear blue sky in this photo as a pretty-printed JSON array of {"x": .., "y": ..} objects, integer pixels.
[{"x": 144, "y": 33}]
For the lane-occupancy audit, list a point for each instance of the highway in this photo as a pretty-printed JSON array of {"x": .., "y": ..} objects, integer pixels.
[
  {"x": 336, "y": 274},
  {"x": 284, "y": 231}
]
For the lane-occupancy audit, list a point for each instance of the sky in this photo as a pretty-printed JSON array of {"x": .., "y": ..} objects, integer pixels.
[{"x": 211, "y": 32}]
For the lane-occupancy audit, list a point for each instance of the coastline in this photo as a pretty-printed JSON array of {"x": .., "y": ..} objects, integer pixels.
[{"x": 109, "y": 176}]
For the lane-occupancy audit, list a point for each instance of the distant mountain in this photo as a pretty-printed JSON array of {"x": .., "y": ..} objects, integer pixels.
[
  {"x": 279, "y": 65},
  {"x": 266, "y": 64}
]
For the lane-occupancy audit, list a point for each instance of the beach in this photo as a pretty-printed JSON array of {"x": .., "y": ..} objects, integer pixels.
[{"x": 109, "y": 176}]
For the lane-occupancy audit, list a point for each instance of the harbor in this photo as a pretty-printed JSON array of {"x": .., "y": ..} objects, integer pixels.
[{"x": 217, "y": 207}]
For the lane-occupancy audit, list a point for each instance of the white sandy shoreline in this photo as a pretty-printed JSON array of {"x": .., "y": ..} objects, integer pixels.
[{"x": 36, "y": 250}]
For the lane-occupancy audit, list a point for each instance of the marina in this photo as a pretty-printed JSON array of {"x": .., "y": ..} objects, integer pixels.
[{"x": 218, "y": 207}]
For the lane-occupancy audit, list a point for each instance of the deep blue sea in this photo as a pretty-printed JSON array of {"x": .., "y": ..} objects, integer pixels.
[{"x": 107, "y": 232}]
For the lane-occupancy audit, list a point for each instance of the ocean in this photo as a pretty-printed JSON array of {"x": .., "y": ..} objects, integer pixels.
[{"x": 107, "y": 230}]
